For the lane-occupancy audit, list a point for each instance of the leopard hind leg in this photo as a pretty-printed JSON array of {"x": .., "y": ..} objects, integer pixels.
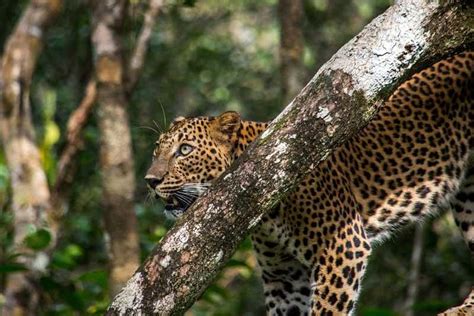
[{"x": 463, "y": 212}]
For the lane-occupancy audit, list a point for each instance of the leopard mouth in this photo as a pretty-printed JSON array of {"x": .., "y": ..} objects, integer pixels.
[
  {"x": 173, "y": 203},
  {"x": 176, "y": 205}
]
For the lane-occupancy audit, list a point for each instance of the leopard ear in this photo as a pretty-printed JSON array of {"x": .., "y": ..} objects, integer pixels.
[
  {"x": 228, "y": 122},
  {"x": 177, "y": 120}
]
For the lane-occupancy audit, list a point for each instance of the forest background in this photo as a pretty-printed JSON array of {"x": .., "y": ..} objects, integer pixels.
[{"x": 204, "y": 57}]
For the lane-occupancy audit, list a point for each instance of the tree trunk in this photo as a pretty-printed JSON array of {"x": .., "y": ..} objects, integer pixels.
[
  {"x": 341, "y": 98},
  {"x": 116, "y": 160},
  {"x": 117, "y": 166},
  {"x": 290, "y": 13},
  {"x": 30, "y": 202}
]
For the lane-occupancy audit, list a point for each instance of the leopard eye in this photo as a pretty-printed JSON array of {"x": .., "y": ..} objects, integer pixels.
[{"x": 185, "y": 149}]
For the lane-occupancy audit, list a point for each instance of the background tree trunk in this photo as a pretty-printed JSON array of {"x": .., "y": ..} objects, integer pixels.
[
  {"x": 30, "y": 202},
  {"x": 340, "y": 99},
  {"x": 115, "y": 84},
  {"x": 291, "y": 17},
  {"x": 116, "y": 160}
]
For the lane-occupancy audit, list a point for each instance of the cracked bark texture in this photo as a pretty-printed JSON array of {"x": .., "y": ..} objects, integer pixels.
[
  {"x": 290, "y": 13},
  {"x": 340, "y": 99},
  {"x": 116, "y": 160},
  {"x": 31, "y": 196}
]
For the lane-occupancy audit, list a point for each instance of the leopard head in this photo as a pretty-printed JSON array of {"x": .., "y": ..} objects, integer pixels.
[{"x": 189, "y": 157}]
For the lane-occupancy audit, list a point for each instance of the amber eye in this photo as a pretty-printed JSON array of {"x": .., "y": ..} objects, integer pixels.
[{"x": 185, "y": 149}]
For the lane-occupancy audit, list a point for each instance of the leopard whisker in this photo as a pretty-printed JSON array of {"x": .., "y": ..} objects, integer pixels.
[
  {"x": 184, "y": 198},
  {"x": 163, "y": 112},
  {"x": 191, "y": 195},
  {"x": 194, "y": 191},
  {"x": 158, "y": 126},
  {"x": 150, "y": 128}
]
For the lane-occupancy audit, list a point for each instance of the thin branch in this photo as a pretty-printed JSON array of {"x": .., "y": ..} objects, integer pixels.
[
  {"x": 75, "y": 125},
  {"x": 65, "y": 168},
  {"x": 137, "y": 59},
  {"x": 290, "y": 13}
]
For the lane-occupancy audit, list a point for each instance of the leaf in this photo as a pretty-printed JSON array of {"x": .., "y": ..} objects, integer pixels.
[
  {"x": 51, "y": 134},
  {"x": 236, "y": 263},
  {"x": 74, "y": 250},
  {"x": 95, "y": 276},
  {"x": 158, "y": 233},
  {"x": 38, "y": 239},
  {"x": 189, "y": 3},
  {"x": 67, "y": 258},
  {"x": 12, "y": 267}
]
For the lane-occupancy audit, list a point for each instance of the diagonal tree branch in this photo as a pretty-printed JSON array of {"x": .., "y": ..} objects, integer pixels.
[
  {"x": 340, "y": 99},
  {"x": 137, "y": 59},
  {"x": 75, "y": 125},
  {"x": 65, "y": 168}
]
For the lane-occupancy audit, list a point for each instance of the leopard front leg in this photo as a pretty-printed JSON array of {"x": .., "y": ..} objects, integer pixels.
[
  {"x": 286, "y": 281},
  {"x": 339, "y": 266}
]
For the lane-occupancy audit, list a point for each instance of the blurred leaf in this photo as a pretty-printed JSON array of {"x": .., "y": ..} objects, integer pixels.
[
  {"x": 12, "y": 267},
  {"x": 236, "y": 263},
  {"x": 73, "y": 250},
  {"x": 49, "y": 97},
  {"x": 38, "y": 239},
  {"x": 432, "y": 306},
  {"x": 74, "y": 299},
  {"x": 51, "y": 134},
  {"x": 67, "y": 257},
  {"x": 98, "y": 308},
  {"x": 4, "y": 173},
  {"x": 189, "y": 3},
  {"x": 96, "y": 276},
  {"x": 214, "y": 294},
  {"x": 159, "y": 233}
]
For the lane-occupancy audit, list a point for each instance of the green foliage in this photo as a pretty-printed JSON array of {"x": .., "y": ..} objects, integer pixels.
[
  {"x": 38, "y": 239},
  {"x": 205, "y": 57},
  {"x": 6, "y": 268},
  {"x": 50, "y": 130}
]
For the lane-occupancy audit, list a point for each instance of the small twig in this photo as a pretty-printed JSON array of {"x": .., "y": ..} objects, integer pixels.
[
  {"x": 138, "y": 56},
  {"x": 414, "y": 276}
]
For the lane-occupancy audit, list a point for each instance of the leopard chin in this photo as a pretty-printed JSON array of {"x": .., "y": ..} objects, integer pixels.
[{"x": 173, "y": 214}]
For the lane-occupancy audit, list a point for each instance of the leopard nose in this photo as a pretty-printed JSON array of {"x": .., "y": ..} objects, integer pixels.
[{"x": 152, "y": 180}]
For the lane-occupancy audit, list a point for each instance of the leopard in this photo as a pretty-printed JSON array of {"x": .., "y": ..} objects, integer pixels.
[{"x": 415, "y": 157}]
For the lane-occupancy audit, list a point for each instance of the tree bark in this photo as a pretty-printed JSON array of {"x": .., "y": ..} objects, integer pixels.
[
  {"x": 31, "y": 195},
  {"x": 290, "y": 13},
  {"x": 340, "y": 99},
  {"x": 116, "y": 160}
]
